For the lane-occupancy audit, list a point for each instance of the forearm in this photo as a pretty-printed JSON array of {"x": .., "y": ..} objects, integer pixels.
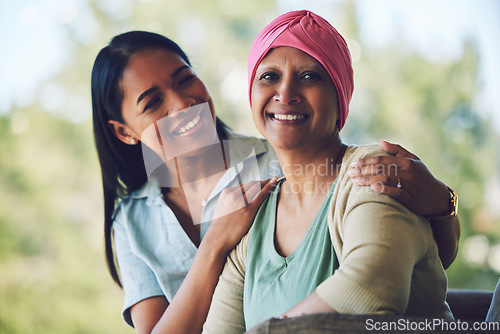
[
  {"x": 309, "y": 305},
  {"x": 447, "y": 235},
  {"x": 189, "y": 308}
]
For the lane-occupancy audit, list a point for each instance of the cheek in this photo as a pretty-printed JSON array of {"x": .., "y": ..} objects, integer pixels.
[
  {"x": 257, "y": 108},
  {"x": 329, "y": 104},
  {"x": 256, "y": 115},
  {"x": 201, "y": 90},
  {"x": 149, "y": 137},
  {"x": 201, "y": 93},
  {"x": 147, "y": 133},
  {"x": 204, "y": 95},
  {"x": 260, "y": 96}
]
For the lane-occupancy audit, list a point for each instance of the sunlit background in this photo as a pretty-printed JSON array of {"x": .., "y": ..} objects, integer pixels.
[{"x": 427, "y": 75}]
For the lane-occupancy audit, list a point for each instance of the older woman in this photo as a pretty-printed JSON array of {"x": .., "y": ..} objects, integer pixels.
[{"x": 318, "y": 243}]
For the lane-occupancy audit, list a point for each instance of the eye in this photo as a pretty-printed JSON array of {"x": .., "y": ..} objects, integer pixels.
[
  {"x": 310, "y": 75},
  {"x": 185, "y": 80},
  {"x": 153, "y": 104},
  {"x": 269, "y": 76}
]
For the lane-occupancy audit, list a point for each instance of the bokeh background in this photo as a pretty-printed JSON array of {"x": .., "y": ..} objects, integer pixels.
[{"x": 427, "y": 75}]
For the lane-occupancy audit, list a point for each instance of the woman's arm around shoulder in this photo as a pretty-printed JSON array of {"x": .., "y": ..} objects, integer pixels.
[{"x": 403, "y": 176}]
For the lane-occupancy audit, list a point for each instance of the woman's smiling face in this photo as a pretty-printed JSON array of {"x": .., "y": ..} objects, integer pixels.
[
  {"x": 164, "y": 102},
  {"x": 294, "y": 102}
]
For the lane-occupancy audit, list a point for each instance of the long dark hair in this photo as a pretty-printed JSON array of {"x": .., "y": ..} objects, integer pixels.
[{"x": 122, "y": 165}]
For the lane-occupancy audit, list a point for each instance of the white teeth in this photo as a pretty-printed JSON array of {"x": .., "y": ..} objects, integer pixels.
[
  {"x": 288, "y": 117},
  {"x": 189, "y": 126}
]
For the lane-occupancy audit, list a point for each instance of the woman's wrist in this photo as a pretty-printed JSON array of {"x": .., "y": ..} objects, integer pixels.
[
  {"x": 213, "y": 248},
  {"x": 451, "y": 210}
]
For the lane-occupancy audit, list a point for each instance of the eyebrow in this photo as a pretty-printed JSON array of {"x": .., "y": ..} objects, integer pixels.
[
  {"x": 179, "y": 70},
  {"x": 146, "y": 93},
  {"x": 155, "y": 88}
]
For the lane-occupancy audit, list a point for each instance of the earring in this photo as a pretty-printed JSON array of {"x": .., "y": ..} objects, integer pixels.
[{"x": 133, "y": 141}]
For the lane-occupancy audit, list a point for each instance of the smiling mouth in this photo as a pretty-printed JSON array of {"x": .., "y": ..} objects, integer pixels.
[
  {"x": 287, "y": 117},
  {"x": 191, "y": 124},
  {"x": 187, "y": 126}
]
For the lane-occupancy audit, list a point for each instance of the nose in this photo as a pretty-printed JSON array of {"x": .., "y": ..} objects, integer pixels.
[
  {"x": 287, "y": 92},
  {"x": 180, "y": 104}
]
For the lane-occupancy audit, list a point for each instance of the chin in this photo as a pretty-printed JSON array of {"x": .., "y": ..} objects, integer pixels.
[{"x": 285, "y": 143}]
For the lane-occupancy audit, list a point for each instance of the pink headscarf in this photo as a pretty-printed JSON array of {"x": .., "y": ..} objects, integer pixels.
[{"x": 312, "y": 34}]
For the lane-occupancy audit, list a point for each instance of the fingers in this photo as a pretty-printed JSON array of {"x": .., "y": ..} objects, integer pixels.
[
  {"x": 379, "y": 165},
  {"x": 391, "y": 181},
  {"x": 392, "y": 149},
  {"x": 243, "y": 200},
  {"x": 265, "y": 191},
  {"x": 396, "y": 150},
  {"x": 387, "y": 185},
  {"x": 258, "y": 191},
  {"x": 251, "y": 191}
]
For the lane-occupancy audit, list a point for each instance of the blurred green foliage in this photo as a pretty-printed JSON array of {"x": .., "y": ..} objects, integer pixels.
[{"x": 52, "y": 272}]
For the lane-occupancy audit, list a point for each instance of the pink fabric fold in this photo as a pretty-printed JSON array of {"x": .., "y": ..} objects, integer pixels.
[{"x": 312, "y": 34}]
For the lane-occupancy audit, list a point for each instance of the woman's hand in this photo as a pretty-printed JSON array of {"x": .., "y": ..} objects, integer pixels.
[
  {"x": 235, "y": 211},
  {"x": 418, "y": 189}
]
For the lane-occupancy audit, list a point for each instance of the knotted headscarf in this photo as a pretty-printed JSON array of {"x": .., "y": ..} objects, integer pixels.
[{"x": 312, "y": 34}]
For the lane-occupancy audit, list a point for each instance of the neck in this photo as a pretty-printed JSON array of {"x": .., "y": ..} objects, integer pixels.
[
  {"x": 310, "y": 172},
  {"x": 199, "y": 165}
]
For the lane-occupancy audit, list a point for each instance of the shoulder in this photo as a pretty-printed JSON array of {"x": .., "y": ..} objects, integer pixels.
[
  {"x": 354, "y": 152},
  {"x": 348, "y": 197},
  {"x": 136, "y": 203}
]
